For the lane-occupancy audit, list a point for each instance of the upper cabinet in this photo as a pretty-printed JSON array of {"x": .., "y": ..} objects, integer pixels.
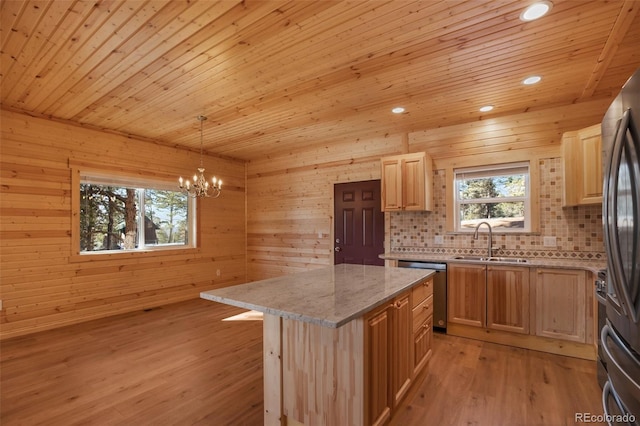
[
  {"x": 582, "y": 158},
  {"x": 407, "y": 182}
]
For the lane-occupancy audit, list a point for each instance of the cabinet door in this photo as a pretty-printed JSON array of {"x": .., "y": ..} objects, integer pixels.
[
  {"x": 560, "y": 303},
  {"x": 377, "y": 384},
  {"x": 582, "y": 161},
  {"x": 401, "y": 347},
  {"x": 591, "y": 147},
  {"x": 508, "y": 299},
  {"x": 413, "y": 181},
  {"x": 391, "y": 192},
  {"x": 466, "y": 294}
]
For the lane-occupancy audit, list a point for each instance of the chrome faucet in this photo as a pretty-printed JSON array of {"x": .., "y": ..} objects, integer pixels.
[{"x": 475, "y": 236}]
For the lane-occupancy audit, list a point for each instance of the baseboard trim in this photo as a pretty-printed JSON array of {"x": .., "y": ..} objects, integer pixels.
[{"x": 525, "y": 341}]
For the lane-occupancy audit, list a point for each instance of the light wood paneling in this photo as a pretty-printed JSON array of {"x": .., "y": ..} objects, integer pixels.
[
  {"x": 289, "y": 197},
  {"x": 43, "y": 283},
  {"x": 272, "y": 75},
  {"x": 323, "y": 373},
  {"x": 290, "y": 204}
]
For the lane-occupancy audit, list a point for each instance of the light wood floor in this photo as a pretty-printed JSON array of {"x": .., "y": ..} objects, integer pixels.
[{"x": 181, "y": 365}]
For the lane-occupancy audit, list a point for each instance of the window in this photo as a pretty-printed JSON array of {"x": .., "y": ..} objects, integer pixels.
[
  {"x": 499, "y": 195},
  {"x": 119, "y": 214}
]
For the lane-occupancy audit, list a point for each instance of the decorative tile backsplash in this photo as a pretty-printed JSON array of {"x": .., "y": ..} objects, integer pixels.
[{"x": 578, "y": 230}]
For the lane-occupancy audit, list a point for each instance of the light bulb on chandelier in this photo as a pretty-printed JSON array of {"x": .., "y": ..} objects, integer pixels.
[{"x": 200, "y": 186}]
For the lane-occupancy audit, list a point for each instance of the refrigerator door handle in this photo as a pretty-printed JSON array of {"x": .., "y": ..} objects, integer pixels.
[
  {"x": 607, "y": 391},
  {"x": 613, "y": 245},
  {"x": 611, "y": 360}
]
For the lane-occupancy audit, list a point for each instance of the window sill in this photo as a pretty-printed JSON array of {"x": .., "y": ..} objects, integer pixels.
[{"x": 131, "y": 254}]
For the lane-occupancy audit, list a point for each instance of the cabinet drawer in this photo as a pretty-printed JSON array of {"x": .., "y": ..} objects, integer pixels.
[
  {"x": 422, "y": 291},
  {"x": 421, "y": 312}
]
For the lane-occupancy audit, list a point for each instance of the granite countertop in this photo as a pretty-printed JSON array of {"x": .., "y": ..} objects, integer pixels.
[
  {"x": 330, "y": 296},
  {"x": 593, "y": 265}
]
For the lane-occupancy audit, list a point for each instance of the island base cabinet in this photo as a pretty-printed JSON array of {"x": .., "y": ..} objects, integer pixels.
[
  {"x": 422, "y": 345},
  {"x": 379, "y": 402},
  {"x": 313, "y": 375},
  {"x": 353, "y": 375},
  {"x": 388, "y": 355}
]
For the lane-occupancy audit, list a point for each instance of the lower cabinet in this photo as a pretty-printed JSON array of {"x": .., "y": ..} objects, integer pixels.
[
  {"x": 563, "y": 298},
  {"x": 530, "y": 302},
  {"x": 508, "y": 299},
  {"x": 466, "y": 294},
  {"x": 398, "y": 345},
  {"x": 494, "y": 297}
]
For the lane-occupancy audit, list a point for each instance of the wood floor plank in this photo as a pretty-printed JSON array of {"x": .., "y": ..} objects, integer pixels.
[{"x": 182, "y": 365}]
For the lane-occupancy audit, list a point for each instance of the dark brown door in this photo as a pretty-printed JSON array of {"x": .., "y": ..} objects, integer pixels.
[{"x": 359, "y": 223}]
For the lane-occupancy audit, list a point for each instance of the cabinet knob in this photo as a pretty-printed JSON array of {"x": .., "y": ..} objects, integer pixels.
[
  {"x": 425, "y": 307},
  {"x": 425, "y": 326},
  {"x": 398, "y": 304}
]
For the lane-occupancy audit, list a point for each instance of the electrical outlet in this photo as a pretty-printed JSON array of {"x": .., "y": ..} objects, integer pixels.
[
  {"x": 319, "y": 234},
  {"x": 438, "y": 239},
  {"x": 549, "y": 241},
  {"x": 217, "y": 272},
  {"x": 0, "y": 305}
]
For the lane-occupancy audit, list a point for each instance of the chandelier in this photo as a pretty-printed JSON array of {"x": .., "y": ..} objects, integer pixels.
[{"x": 200, "y": 186}]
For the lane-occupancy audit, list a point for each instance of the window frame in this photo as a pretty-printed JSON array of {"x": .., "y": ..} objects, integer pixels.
[
  {"x": 494, "y": 170},
  {"x": 84, "y": 175}
]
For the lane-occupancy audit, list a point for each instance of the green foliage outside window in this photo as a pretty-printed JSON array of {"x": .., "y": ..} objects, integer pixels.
[
  {"x": 497, "y": 196},
  {"x": 111, "y": 218}
]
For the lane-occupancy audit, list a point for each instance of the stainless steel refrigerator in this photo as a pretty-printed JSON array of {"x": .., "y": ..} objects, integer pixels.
[{"x": 620, "y": 337}]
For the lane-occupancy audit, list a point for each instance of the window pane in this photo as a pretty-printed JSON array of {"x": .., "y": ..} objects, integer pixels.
[
  {"x": 165, "y": 217},
  {"x": 108, "y": 217},
  {"x": 512, "y": 185},
  {"x": 507, "y": 215}
]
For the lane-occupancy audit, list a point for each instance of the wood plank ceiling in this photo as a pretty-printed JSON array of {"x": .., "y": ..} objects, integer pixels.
[{"x": 273, "y": 76}]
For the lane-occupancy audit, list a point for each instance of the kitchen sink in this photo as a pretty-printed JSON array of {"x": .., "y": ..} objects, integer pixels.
[
  {"x": 492, "y": 259},
  {"x": 480, "y": 258},
  {"x": 507, "y": 259}
]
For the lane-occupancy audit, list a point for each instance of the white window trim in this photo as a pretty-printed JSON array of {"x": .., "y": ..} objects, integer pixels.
[{"x": 493, "y": 170}]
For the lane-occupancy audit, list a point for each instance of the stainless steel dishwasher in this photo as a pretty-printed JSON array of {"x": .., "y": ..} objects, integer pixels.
[{"x": 439, "y": 290}]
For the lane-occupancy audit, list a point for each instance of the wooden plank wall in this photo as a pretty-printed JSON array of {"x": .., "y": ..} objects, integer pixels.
[
  {"x": 42, "y": 285},
  {"x": 287, "y": 225},
  {"x": 290, "y": 203},
  {"x": 290, "y": 196}
]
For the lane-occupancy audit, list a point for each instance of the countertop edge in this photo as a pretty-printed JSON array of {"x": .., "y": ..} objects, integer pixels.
[{"x": 592, "y": 266}]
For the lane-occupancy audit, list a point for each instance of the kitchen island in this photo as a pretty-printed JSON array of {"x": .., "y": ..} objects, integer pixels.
[{"x": 342, "y": 344}]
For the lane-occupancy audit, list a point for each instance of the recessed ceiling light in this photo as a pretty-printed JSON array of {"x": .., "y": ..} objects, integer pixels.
[
  {"x": 535, "y": 11},
  {"x": 486, "y": 108},
  {"x": 397, "y": 110},
  {"x": 532, "y": 80}
]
